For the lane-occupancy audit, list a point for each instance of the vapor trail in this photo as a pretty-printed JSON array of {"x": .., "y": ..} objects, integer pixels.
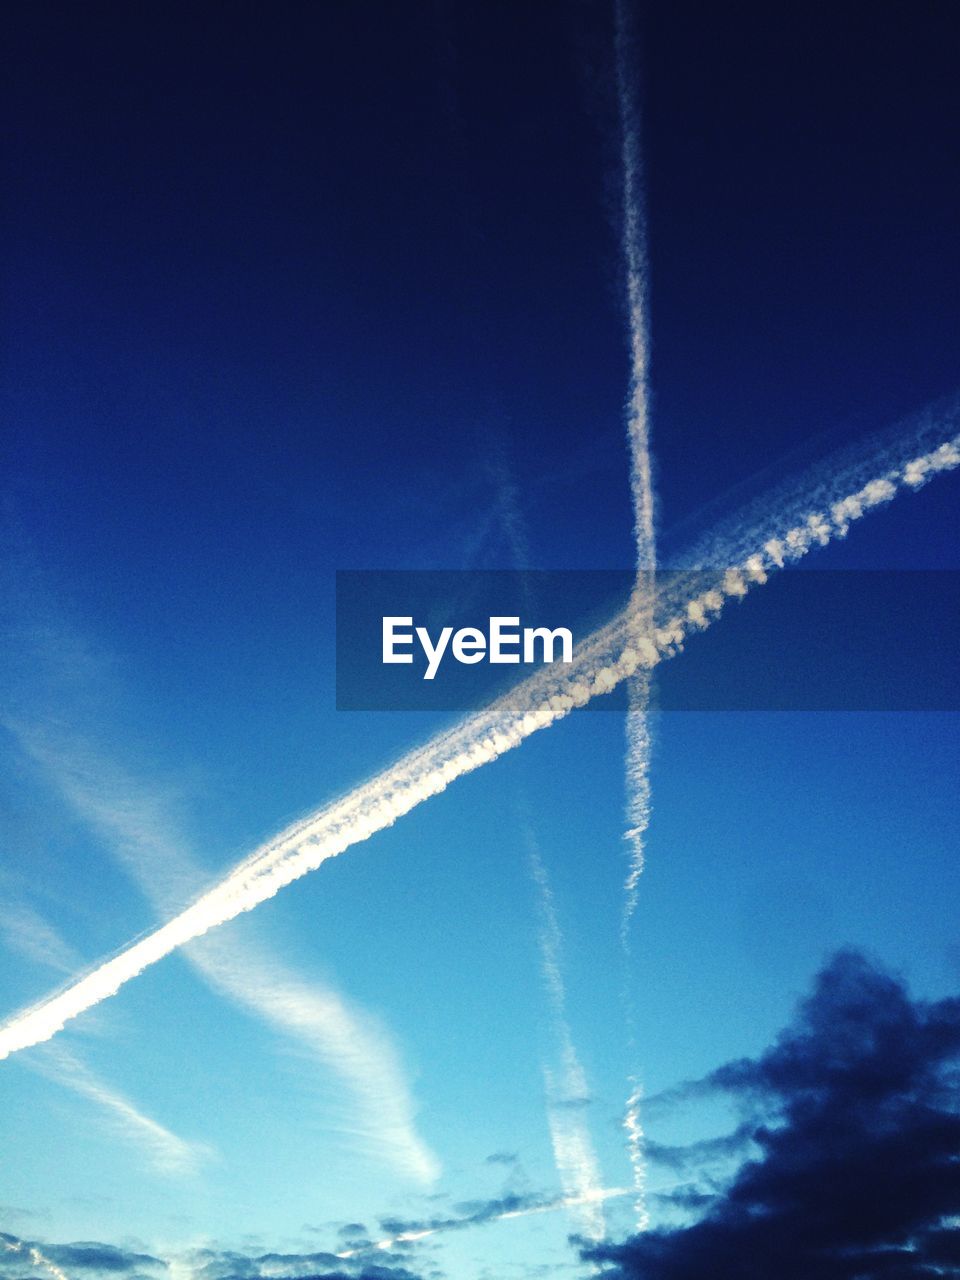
[
  {"x": 633, "y": 1127},
  {"x": 135, "y": 825},
  {"x": 168, "y": 1152},
  {"x": 812, "y": 516},
  {"x": 634, "y": 249},
  {"x": 567, "y": 1091},
  {"x": 637, "y": 412},
  {"x": 637, "y": 726},
  {"x": 597, "y": 1196},
  {"x": 566, "y": 1088}
]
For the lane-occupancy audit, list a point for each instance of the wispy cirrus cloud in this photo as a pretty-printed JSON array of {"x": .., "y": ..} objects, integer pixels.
[
  {"x": 27, "y": 933},
  {"x": 138, "y": 828},
  {"x": 165, "y": 1150},
  {"x": 477, "y": 1213}
]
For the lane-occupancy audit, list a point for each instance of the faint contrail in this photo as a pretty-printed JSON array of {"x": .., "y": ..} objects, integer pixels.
[
  {"x": 596, "y": 1196},
  {"x": 637, "y": 772},
  {"x": 26, "y": 932},
  {"x": 567, "y": 1092},
  {"x": 606, "y": 658},
  {"x": 169, "y": 1153}
]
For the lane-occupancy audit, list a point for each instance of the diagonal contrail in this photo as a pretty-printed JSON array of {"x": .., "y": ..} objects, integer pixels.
[
  {"x": 596, "y": 1196},
  {"x": 813, "y": 516},
  {"x": 167, "y": 1151},
  {"x": 134, "y": 823}
]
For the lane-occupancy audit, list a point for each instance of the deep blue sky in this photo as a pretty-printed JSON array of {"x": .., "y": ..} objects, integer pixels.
[{"x": 304, "y": 287}]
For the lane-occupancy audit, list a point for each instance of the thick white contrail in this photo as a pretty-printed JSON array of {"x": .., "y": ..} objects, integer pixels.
[
  {"x": 135, "y": 824},
  {"x": 808, "y": 518}
]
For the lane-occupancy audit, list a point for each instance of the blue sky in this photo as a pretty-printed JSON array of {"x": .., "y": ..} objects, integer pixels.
[{"x": 339, "y": 287}]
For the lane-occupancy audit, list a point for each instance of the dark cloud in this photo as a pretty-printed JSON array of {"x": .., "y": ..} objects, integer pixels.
[
  {"x": 697, "y": 1154},
  {"x": 100, "y": 1257},
  {"x": 691, "y": 1197},
  {"x": 858, "y": 1172},
  {"x": 470, "y": 1213},
  {"x": 210, "y": 1264},
  {"x": 82, "y": 1256}
]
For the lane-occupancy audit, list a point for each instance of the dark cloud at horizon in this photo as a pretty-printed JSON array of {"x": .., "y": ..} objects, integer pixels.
[
  {"x": 209, "y": 1264},
  {"x": 366, "y": 1259},
  {"x": 858, "y": 1134}
]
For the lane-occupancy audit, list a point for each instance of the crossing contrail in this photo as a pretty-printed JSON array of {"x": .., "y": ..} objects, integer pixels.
[
  {"x": 637, "y": 413},
  {"x": 167, "y": 1151},
  {"x": 637, "y": 727},
  {"x": 814, "y": 516}
]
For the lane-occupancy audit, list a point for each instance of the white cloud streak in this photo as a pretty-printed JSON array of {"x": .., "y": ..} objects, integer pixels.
[
  {"x": 26, "y": 932},
  {"x": 596, "y": 1196},
  {"x": 567, "y": 1091},
  {"x": 812, "y": 517},
  {"x": 638, "y": 750},
  {"x": 633, "y": 1128},
  {"x": 167, "y": 1152},
  {"x": 573, "y": 1151},
  {"x": 137, "y": 828}
]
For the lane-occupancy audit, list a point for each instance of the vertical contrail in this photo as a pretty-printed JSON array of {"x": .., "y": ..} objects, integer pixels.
[
  {"x": 813, "y": 512},
  {"x": 634, "y": 248},
  {"x": 567, "y": 1092},
  {"x": 574, "y": 1154},
  {"x": 634, "y": 244}
]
